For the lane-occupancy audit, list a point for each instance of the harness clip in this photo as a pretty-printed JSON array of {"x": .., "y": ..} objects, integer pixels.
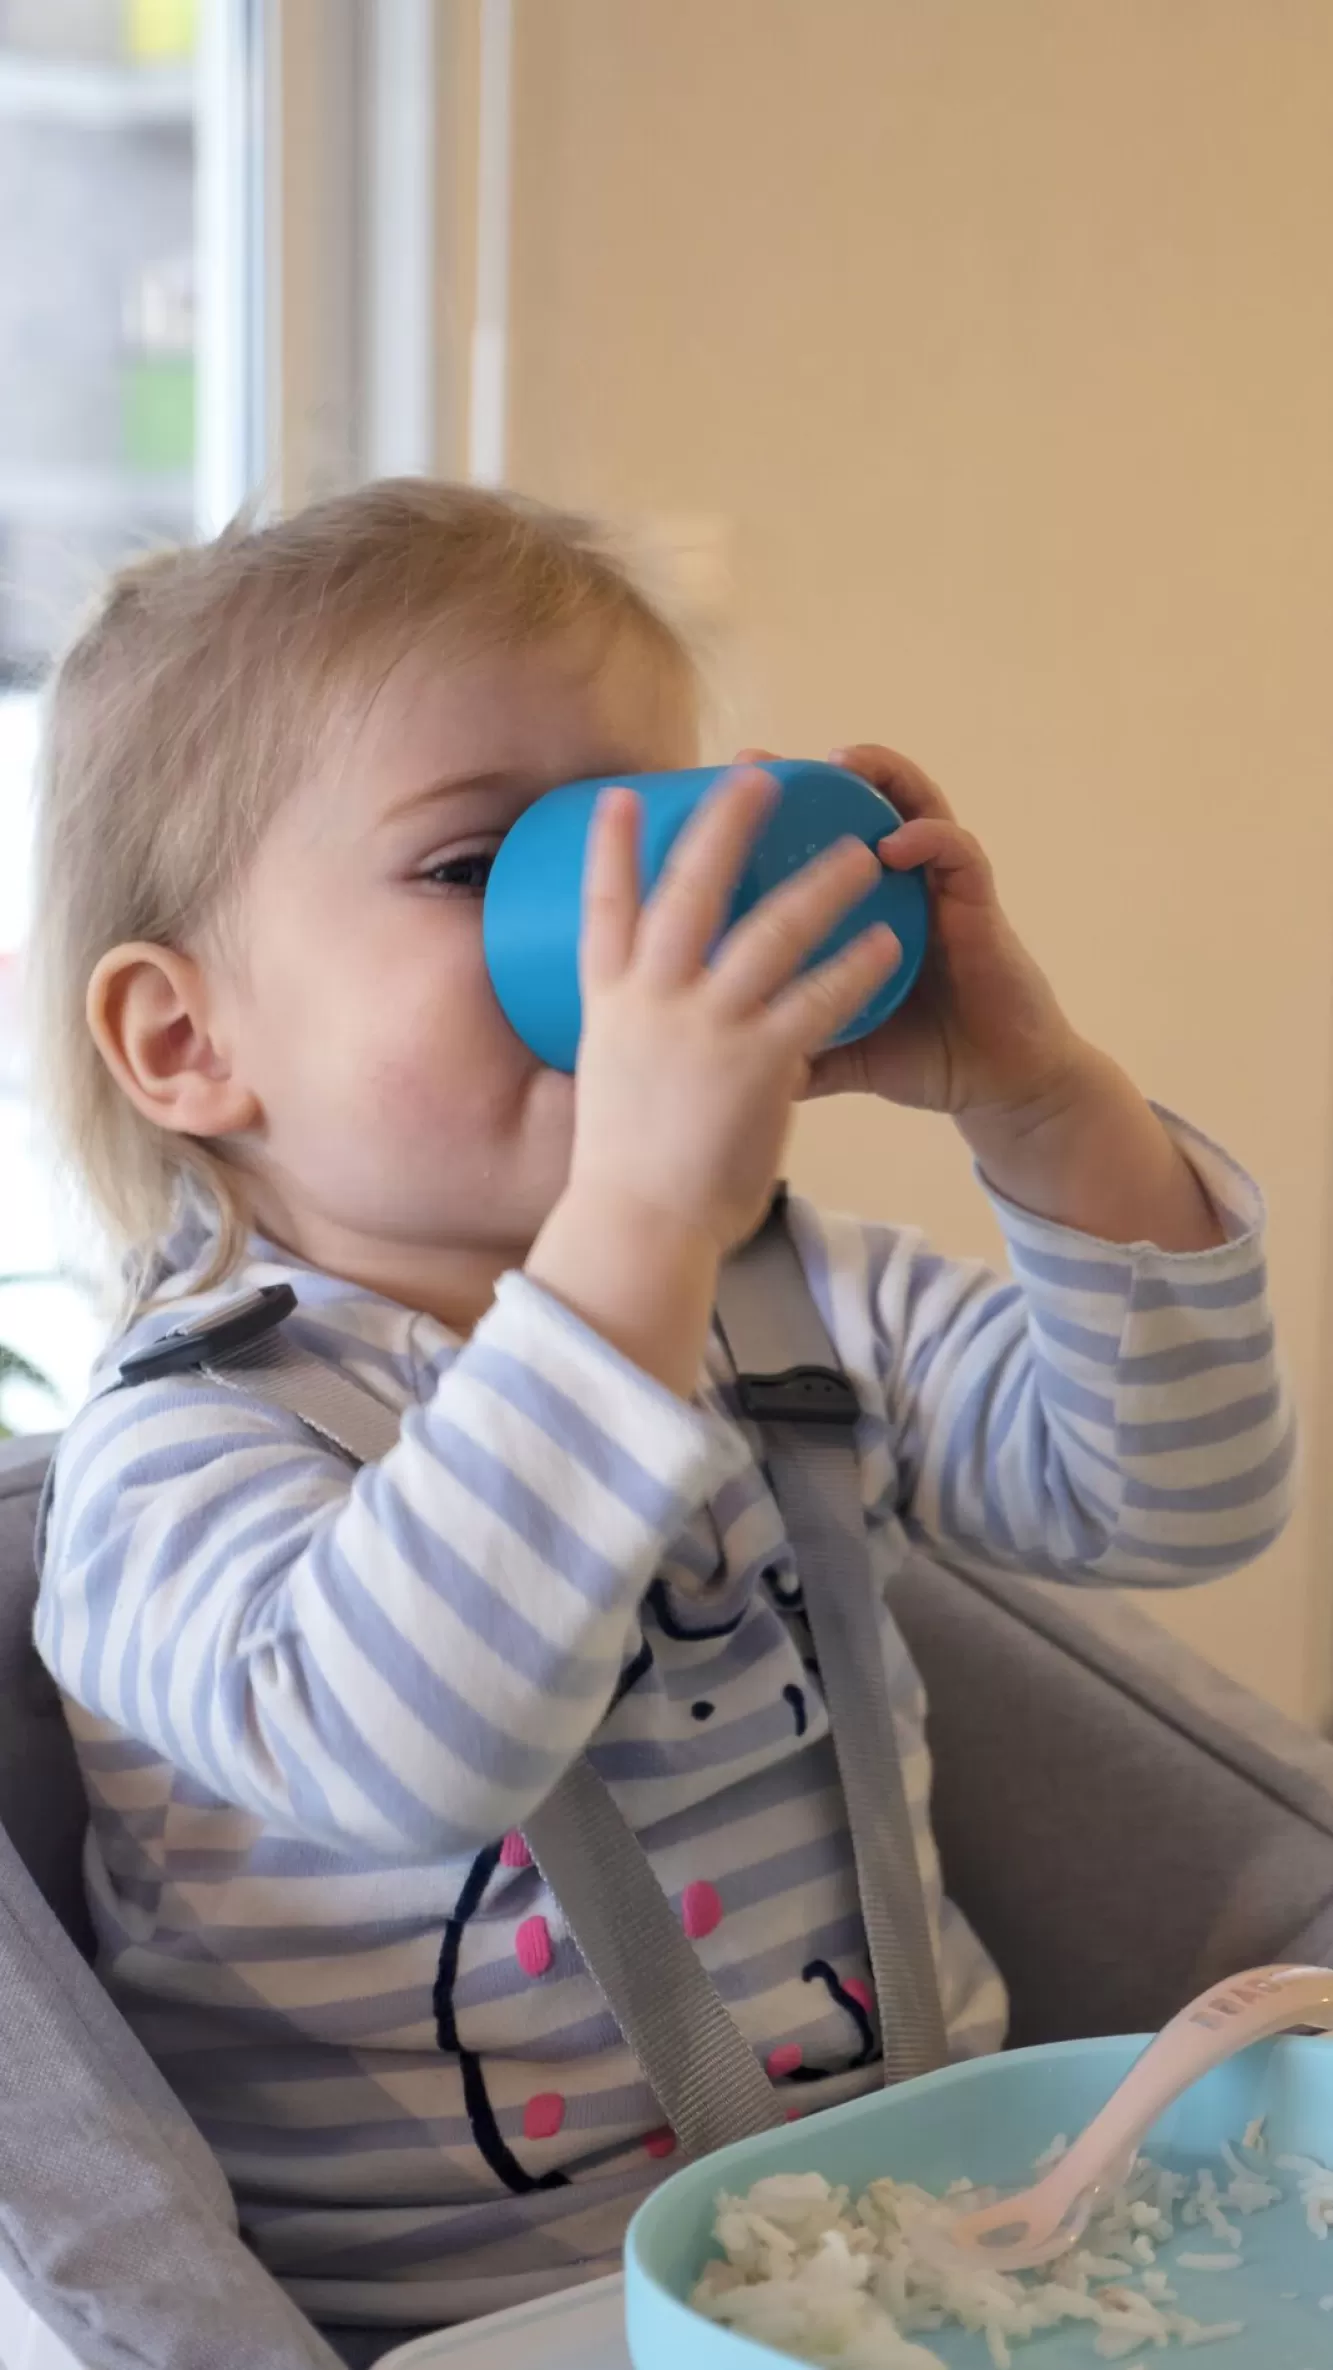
[{"x": 209, "y": 1339}]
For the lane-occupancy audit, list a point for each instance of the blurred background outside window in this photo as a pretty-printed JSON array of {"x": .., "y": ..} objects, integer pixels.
[{"x": 215, "y": 289}]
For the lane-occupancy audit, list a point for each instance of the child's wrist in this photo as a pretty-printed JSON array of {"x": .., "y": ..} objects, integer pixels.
[
  {"x": 1045, "y": 1107},
  {"x": 1086, "y": 1151},
  {"x": 638, "y": 1274}
]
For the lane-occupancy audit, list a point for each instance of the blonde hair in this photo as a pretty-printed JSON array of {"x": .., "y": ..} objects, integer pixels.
[{"x": 190, "y": 706}]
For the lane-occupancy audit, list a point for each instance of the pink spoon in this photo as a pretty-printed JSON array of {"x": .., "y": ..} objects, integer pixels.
[{"x": 1042, "y": 2223}]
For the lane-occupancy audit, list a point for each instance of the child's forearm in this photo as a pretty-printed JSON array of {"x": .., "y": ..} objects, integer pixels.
[
  {"x": 403, "y": 1662},
  {"x": 644, "y": 1280},
  {"x": 1109, "y": 1413},
  {"x": 1092, "y": 1154}
]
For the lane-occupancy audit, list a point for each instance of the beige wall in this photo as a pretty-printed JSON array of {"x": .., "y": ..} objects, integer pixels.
[{"x": 999, "y": 332}]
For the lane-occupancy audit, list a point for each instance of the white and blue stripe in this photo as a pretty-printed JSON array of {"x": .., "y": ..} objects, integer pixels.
[{"x": 311, "y": 1705}]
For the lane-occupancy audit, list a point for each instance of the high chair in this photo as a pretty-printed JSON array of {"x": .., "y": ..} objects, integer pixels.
[{"x": 1121, "y": 1824}]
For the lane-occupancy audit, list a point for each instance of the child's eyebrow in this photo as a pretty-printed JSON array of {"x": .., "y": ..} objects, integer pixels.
[{"x": 448, "y": 786}]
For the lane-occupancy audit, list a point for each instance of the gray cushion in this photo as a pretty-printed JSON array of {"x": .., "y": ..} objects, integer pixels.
[
  {"x": 1122, "y": 1824},
  {"x": 42, "y": 1805},
  {"x": 116, "y": 2224}
]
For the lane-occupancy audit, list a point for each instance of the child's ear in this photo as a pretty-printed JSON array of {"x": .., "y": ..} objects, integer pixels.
[{"x": 148, "y": 1009}]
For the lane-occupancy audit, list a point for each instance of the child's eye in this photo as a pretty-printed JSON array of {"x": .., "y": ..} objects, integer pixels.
[{"x": 464, "y": 876}]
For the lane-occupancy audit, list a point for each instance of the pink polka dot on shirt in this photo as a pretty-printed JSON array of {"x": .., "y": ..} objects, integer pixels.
[
  {"x": 532, "y": 1946},
  {"x": 514, "y": 1852},
  {"x": 783, "y": 2060},
  {"x": 543, "y": 2115},
  {"x": 700, "y": 1910}
]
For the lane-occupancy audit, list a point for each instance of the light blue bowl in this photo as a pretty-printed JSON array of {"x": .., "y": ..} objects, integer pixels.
[
  {"x": 530, "y": 923},
  {"x": 990, "y": 2121}
]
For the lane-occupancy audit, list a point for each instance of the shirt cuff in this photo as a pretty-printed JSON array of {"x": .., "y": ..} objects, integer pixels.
[
  {"x": 688, "y": 1451},
  {"x": 1235, "y": 1199}
]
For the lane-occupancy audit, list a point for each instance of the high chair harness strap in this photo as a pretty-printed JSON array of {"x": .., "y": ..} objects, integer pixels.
[
  {"x": 792, "y": 1386},
  {"x": 703, "y": 2072}
]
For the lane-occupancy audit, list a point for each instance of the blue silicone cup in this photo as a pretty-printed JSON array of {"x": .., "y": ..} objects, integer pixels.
[
  {"x": 534, "y": 897},
  {"x": 990, "y": 2120}
]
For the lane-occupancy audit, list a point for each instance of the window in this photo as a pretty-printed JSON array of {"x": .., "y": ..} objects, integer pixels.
[{"x": 130, "y": 359}]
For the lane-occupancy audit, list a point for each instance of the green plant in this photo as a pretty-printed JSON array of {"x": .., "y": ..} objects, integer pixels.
[{"x": 14, "y": 1367}]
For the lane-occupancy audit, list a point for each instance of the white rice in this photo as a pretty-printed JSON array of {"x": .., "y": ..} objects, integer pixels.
[
  {"x": 846, "y": 2285},
  {"x": 1314, "y": 2186}
]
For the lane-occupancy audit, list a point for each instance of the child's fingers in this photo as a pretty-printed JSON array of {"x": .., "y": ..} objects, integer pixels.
[
  {"x": 688, "y": 907},
  {"x": 904, "y": 784},
  {"x": 761, "y": 954},
  {"x": 610, "y": 890},
  {"x": 809, "y": 1014},
  {"x": 952, "y": 859},
  {"x": 755, "y": 757}
]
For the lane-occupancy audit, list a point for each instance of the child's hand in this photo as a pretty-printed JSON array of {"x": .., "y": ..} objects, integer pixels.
[
  {"x": 1054, "y": 1124},
  {"x": 982, "y": 1028},
  {"x": 691, "y": 1059}
]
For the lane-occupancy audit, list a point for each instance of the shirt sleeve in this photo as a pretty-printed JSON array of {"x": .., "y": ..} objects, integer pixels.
[
  {"x": 1110, "y": 1413},
  {"x": 401, "y": 1659}
]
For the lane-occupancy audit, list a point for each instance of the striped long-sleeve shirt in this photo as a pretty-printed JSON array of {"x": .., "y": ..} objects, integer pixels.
[{"x": 314, "y": 1707}]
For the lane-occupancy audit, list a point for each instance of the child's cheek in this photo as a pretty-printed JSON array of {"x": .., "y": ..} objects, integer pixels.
[{"x": 440, "y": 1069}]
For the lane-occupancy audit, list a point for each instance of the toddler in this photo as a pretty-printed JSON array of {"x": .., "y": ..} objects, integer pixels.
[{"x": 313, "y": 1705}]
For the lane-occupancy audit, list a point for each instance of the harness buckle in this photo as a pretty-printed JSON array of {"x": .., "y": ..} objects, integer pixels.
[{"x": 800, "y": 1395}]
